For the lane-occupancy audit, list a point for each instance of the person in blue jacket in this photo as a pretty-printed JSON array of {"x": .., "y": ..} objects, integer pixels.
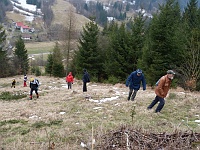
[{"x": 133, "y": 82}]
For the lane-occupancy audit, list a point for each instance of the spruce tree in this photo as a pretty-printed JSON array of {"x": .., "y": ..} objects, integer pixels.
[
  {"x": 117, "y": 55},
  {"x": 137, "y": 41},
  {"x": 57, "y": 67},
  {"x": 4, "y": 65},
  {"x": 191, "y": 66},
  {"x": 89, "y": 55},
  {"x": 49, "y": 65},
  {"x": 21, "y": 56},
  {"x": 163, "y": 48}
]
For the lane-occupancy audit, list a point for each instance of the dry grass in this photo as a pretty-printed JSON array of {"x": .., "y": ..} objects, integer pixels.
[
  {"x": 40, "y": 122},
  {"x": 15, "y": 16},
  {"x": 61, "y": 9}
]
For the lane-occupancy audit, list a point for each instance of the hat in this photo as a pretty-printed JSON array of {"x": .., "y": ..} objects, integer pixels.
[
  {"x": 139, "y": 71},
  {"x": 31, "y": 79},
  {"x": 171, "y": 72}
]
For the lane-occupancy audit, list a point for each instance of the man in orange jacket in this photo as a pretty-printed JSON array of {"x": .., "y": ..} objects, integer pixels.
[
  {"x": 161, "y": 90},
  {"x": 69, "y": 80}
]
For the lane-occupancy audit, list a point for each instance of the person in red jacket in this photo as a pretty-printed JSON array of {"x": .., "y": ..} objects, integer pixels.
[{"x": 69, "y": 80}]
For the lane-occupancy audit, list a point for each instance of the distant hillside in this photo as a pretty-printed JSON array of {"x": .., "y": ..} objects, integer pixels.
[{"x": 61, "y": 9}]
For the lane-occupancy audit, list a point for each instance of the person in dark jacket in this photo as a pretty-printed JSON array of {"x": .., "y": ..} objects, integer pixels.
[
  {"x": 13, "y": 83},
  {"x": 34, "y": 84},
  {"x": 133, "y": 82},
  {"x": 86, "y": 79},
  {"x": 161, "y": 90},
  {"x": 69, "y": 80}
]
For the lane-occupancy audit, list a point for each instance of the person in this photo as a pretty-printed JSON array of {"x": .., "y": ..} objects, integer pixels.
[
  {"x": 86, "y": 79},
  {"x": 13, "y": 83},
  {"x": 133, "y": 82},
  {"x": 69, "y": 80},
  {"x": 161, "y": 90},
  {"x": 25, "y": 79},
  {"x": 34, "y": 84}
]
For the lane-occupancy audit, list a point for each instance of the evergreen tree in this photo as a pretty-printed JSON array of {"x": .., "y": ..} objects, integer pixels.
[
  {"x": 21, "y": 56},
  {"x": 3, "y": 55},
  {"x": 89, "y": 55},
  {"x": 49, "y": 65},
  {"x": 190, "y": 68},
  {"x": 137, "y": 41},
  {"x": 164, "y": 47},
  {"x": 118, "y": 53},
  {"x": 57, "y": 67}
]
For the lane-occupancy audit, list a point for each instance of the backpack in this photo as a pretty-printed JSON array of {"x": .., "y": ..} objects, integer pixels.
[
  {"x": 158, "y": 81},
  {"x": 37, "y": 82},
  {"x": 88, "y": 78}
]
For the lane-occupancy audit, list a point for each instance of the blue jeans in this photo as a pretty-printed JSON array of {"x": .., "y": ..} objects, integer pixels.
[{"x": 155, "y": 101}]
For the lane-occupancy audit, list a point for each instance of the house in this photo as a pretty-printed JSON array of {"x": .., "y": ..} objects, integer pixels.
[
  {"x": 23, "y": 28},
  {"x": 18, "y": 25},
  {"x": 26, "y": 36}
]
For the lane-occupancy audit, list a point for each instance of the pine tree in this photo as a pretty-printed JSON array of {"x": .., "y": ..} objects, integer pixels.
[
  {"x": 191, "y": 66},
  {"x": 89, "y": 55},
  {"x": 118, "y": 53},
  {"x": 57, "y": 67},
  {"x": 163, "y": 48},
  {"x": 21, "y": 56},
  {"x": 4, "y": 65},
  {"x": 137, "y": 41},
  {"x": 49, "y": 65}
]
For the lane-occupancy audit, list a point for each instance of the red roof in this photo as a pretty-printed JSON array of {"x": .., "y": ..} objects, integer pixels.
[
  {"x": 19, "y": 24},
  {"x": 25, "y": 27}
]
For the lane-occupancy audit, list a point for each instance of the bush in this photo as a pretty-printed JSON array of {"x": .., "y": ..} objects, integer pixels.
[
  {"x": 113, "y": 80},
  {"x": 37, "y": 71}
]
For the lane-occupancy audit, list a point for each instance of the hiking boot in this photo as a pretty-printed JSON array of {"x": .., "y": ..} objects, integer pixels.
[
  {"x": 37, "y": 96},
  {"x": 30, "y": 98}
]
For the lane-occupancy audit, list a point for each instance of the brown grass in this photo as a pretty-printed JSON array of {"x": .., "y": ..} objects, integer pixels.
[
  {"x": 81, "y": 115},
  {"x": 15, "y": 17},
  {"x": 61, "y": 9}
]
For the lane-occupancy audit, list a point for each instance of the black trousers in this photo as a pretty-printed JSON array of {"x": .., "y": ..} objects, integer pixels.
[
  {"x": 69, "y": 85},
  {"x": 31, "y": 92},
  {"x": 132, "y": 94},
  {"x": 84, "y": 86}
]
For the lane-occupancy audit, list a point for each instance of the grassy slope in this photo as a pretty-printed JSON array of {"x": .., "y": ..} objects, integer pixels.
[
  {"x": 60, "y": 9},
  {"x": 67, "y": 131}
]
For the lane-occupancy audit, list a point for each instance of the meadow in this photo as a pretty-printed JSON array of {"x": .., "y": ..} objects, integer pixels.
[{"x": 64, "y": 119}]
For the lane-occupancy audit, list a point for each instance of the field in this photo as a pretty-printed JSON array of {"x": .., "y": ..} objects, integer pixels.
[
  {"x": 65, "y": 119},
  {"x": 39, "y": 47}
]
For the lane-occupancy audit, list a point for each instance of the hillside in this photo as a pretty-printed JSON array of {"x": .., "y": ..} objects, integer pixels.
[
  {"x": 64, "y": 117},
  {"x": 61, "y": 9}
]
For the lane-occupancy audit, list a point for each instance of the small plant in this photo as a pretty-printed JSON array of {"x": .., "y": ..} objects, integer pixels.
[{"x": 133, "y": 113}]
